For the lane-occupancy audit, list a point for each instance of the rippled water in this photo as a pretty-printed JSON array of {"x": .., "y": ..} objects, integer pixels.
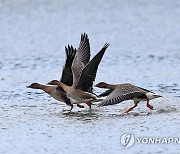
[{"x": 145, "y": 50}]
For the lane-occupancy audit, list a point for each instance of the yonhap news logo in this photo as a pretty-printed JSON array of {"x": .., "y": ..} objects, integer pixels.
[{"x": 128, "y": 140}]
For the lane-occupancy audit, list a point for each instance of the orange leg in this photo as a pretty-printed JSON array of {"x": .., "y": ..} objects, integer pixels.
[
  {"x": 130, "y": 109},
  {"x": 80, "y": 106},
  {"x": 148, "y": 105},
  {"x": 89, "y": 103}
]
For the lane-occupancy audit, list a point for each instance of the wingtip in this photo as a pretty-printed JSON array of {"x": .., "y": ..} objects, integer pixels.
[
  {"x": 70, "y": 50},
  {"x": 106, "y": 45},
  {"x": 100, "y": 104},
  {"x": 84, "y": 36}
]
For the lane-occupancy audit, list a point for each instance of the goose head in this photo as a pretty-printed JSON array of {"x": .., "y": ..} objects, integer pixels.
[
  {"x": 34, "y": 86},
  {"x": 54, "y": 82},
  {"x": 101, "y": 85}
]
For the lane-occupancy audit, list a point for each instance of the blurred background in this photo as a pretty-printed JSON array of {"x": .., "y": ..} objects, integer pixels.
[{"x": 144, "y": 50}]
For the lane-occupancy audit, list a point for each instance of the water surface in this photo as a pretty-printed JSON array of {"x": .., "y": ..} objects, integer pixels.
[{"x": 145, "y": 51}]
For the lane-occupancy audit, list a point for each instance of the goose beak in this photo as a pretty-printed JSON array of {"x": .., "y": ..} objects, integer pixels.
[{"x": 28, "y": 86}]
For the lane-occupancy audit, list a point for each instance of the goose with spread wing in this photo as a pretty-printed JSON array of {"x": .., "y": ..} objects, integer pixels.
[
  {"x": 121, "y": 92},
  {"x": 67, "y": 78},
  {"x": 83, "y": 78}
]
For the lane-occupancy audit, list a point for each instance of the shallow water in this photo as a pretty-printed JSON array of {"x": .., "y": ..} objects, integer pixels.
[{"x": 145, "y": 51}]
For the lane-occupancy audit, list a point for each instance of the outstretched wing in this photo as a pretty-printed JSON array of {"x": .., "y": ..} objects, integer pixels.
[
  {"x": 120, "y": 95},
  {"x": 106, "y": 93},
  {"x": 144, "y": 89},
  {"x": 67, "y": 76},
  {"x": 82, "y": 57},
  {"x": 88, "y": 74}
]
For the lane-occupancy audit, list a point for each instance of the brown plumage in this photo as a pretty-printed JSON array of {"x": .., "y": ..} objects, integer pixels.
[
  {"x": 55, "y": 91},
  {"x": 121, "y": 92},
  {"x": 82, "y": 57},
  {"x": 58, "y": 92},
  {"x": 79, "y": 89}
]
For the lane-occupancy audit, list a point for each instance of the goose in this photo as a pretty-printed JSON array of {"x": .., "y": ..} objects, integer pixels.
[
  {"x": 55, "y": 91},
  {"x": 121, "y": 92},
  {"x": 67, "y": 77},
  {"x": 83, "y": 78}
]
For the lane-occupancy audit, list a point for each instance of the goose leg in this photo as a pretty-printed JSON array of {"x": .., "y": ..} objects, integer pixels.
[
  {"x": 70, "y": 109},
  {"x": 128, "y": 110},
  {"x": 80, "y": 106},
  {"x": 89, "y": 103},
  {"x": 148, "y": 105}
]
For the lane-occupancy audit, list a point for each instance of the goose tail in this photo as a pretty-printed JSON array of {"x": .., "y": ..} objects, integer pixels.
[{"x": 151, "y": 95}]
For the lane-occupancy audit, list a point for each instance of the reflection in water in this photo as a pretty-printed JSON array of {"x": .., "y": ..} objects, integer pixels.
[
  {"x": 85, "y": 116},
  {"x": 167, "y": 110}
]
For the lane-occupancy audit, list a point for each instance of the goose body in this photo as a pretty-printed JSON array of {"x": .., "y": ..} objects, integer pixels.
[
  {"x": 53, "y": 91},
  {"x": 121, "y": 92},
  {"x": 57, "y": 92},
  {"x": 81, "y": 88},
  {"x": 77, "y": 94}
]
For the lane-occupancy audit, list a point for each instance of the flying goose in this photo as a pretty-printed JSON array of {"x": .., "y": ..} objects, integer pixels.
[
  {"x": 67, "y": 78},
  {"x": 82, "y": 84},
  {"x": 121, "y": 92}
]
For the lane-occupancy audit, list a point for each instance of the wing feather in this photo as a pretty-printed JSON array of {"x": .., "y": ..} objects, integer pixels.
[
  {"x": 120, "y": 95},
  {"x": 106, "y": 93},
  {"x": 67, "y": 76},
  {"x": 82, "y": 57},
  {"x": 88, "y": 74}
]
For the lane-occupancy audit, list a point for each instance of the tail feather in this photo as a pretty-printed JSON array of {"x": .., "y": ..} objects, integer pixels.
[
  {"x": 151, "y": 95},
  {"x": 157, "y": 96}
]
